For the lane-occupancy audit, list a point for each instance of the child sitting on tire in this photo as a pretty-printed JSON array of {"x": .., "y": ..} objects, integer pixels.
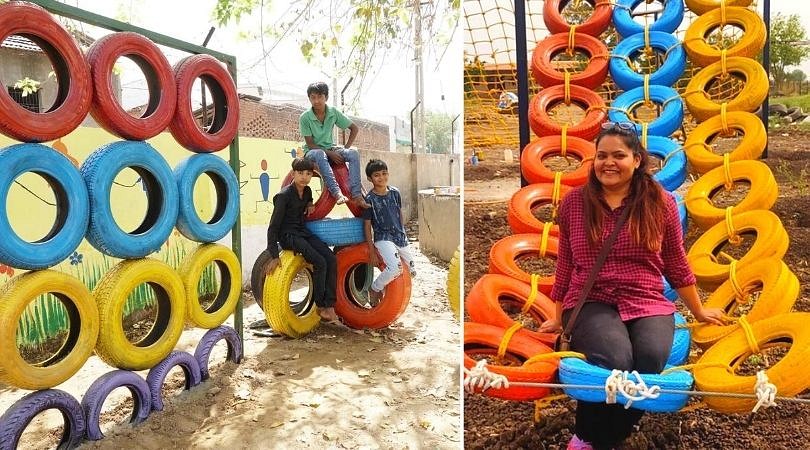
[
  {"x": 384, "y": 229},
  {"x": 287, "y": 229}
]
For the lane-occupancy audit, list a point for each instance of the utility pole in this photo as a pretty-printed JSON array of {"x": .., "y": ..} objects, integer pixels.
[{"x": 420, "y": 82}]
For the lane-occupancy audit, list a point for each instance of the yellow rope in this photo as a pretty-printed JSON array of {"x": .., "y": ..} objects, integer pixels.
[
  {"x": 724, "y": 117},
  {"x": 543, "y": 403},
  {"x": 507, "y": 336},
  {"x": 532, "y": 295},
  {"x": 644, "y": 131},
  {"x": 647, "y": 48},
  {"x": 555, "y": 191},
  {"x": 722, "y": 13},
  {"x": 697, "y": 365},
  {"x": 553, "y": 355},
  {"x": 564, "y": 140},
  {"x": 733, "y": 238},
  {"x": 749, "y": 334},
  {"x": 729, "y": 183},
  {"x": 739, "y": 293},
  {"x": 567, "y": 81},
  {"x": 571, "y": 40},
  {"x": 544, "y": 238}
]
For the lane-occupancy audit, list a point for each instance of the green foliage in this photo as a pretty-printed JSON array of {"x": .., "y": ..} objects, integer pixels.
[
  {"x": 785, "y": 34},
  {"x": 799, "y": 100},
  {"x": 438, "y": 132},
  {"x": 27, "y": 85},
  {"x": 796, "y": 75}
]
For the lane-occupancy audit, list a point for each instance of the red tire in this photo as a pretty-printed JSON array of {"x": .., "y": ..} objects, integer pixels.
[
  {"x": 593, "y": 25},
  {"x": 592, "y": 77},
  {"x": 543, "y": 125},
  {"x": 505, "y": 253},
  {"x": 184, "y": 126},
  {"x": 323, "y": 204},
  {"x": 483, "y": 339},
  {"x": 532, "y": 156},
  {"x": 395, "y": 299},
  {"x": 342, "y": 177},
  {"x": 74, "y": 91},
  {"x": 491, "y": 292},
  {"x": 519, "y": 212},
  {"x": 106, "y": 110}
]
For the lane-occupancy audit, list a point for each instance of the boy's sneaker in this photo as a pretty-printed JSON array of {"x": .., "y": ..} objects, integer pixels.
[
  {"x": 341, "y": 199},
  {"x": 578, "y": 444},
  {"x": 361, "y": 202}
]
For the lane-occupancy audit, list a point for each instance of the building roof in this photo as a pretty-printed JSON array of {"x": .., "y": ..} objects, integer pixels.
[{"x": 20, "y": 43}]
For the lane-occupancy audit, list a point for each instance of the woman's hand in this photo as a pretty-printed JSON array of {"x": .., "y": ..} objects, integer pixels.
[
  {"x": 715, "y": 316},
  {"x": 550, "y": 326}
]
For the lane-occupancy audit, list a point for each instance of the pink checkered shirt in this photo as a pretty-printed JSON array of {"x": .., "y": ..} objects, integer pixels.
[{"x": 630, "y": 278}]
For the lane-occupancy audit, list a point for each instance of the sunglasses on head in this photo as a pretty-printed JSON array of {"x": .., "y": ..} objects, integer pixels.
[{"x": 625, "y": 126}]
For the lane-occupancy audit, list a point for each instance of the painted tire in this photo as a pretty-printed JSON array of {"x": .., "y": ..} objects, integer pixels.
[
  {"x": 257, "y": 276},
  {"x": 667, "y": 75},
  {"x": 701, "y": 7},
  {"x": 668, "y": 21},
  {"x": 105, "y": 108},
  {"x": 157, "y": 375},
  {"x": 546, "y": 49},
  {"x": 479, "y": 337},
  {"x": 506, "y": 252},
  {"x": 74, "y": 91},
  {"x": 753, "y": 93},
  {"x": 325, "y": 202},
  {"x": 342, "y": 177},
  {"x": 771, "y": 241},
  {"x": 111, "y": 295},
  {"x": 82, "y": 314},
  {"x": 338, "y": 232},
  {"x": 680, "y": 343},
  {"x": 670, "y": 293},
  {"x": 191, "y": 272},
  {"x": 682, "y": 212},
  {"x": 17, "y": 417},
  {"x": 761, "y": 195},
  {"x": 543, "y": 125},
  {"x": 226, "y": 188},
  {"x": 753, "y": 143},
  {"x": 99, "y": 171},
  {"x": 733, "y": 349},
  {"x": 484, "y": 304},
  {"x": 184, "y": 126},
  {"x": 667, "y": 122},
  {"x": 779, "y": 289},
  {"x": 72, "y": 207},
  {"x": 594, "y": 25},
  {"x": 519, "y": 213},
  {"x": 395, "y": 298},
  {"x": 750, "y": 44},
  {"x": 532, "y": 156},
  {"x": 454, "y": 283},
  {"x": 293, "y": 320},
  {"x": 98, "y": 392},
  {"x": 203, "y": 352},
  {"x": 673, "y": 174}
]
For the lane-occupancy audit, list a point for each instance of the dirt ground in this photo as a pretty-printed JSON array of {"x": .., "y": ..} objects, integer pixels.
[
  {"x": 393, "y": 388},
  {"x": 493, "y": 423}
]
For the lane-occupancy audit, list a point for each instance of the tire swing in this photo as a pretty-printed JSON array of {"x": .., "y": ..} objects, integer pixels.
[
  {"x": 519, "y": 213},
  {"x": 72, "y": 207},
  {"x": 203, "y": 351},
  {"x": 351, "y": 305},
  {"x": 454, "y": 283},
  {"x": 753, "y": 93},
  {"x": 491, "y": 292},
  {"x": 111, "y": 294},
  {"x": 226, "y": 188},
  {"x": 544, "y": 125},
  {"x": 506, "y": 252},
  {"x": 483, "y": 339},
  {"x": 703, "y": 257},
  {"x": 73, "y": 91},
  {"x": 293, "y": 318},
  {"x": 667, "y": 74},
  {"x": 778, "y": 286},
  {"x": 697, "y": 145},
  {"x": 668, "y": 21},
  {"x": 594, "y": 25},
  {"x": 106, "y": 110},
  {"x": 82, "y": 329},
  {"x": 673, "y": 173},
  {"x": 761, "y": 195},
  {"x": 546, "y": 75},
  {"x": 19, "y": 415},
  {"x": 225, "y": 299},
  {"x": 669, "y": 120},
  {"x": 535, "y": 171},
  {"x": 751, "y": 42},
  {"x": 98, "y": 392},
  {"x": 731, "y": 351}
]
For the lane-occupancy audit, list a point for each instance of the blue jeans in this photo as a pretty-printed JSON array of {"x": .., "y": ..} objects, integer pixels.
[{"x": 352, "y": 158}]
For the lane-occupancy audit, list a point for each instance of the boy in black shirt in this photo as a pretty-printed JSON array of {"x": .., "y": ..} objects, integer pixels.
[{"x": 287, "y": 229}]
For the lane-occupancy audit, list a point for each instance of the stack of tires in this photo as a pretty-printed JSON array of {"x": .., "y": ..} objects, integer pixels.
[
  {"x": 718, "y": 257},
  {"x": 83, "y": 205}
]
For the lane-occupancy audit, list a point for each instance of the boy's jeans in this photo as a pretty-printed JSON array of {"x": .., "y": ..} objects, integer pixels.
[
  {"x": 393, "y": 265},
  {"x": 351, "y": 156}
]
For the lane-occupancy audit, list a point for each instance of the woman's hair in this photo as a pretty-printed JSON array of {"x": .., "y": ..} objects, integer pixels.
[
  {"x": 645, "y": 199},
  {"x": 300, "y": 163}
]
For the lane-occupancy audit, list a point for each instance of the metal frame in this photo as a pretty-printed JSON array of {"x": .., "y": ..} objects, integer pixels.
[{"x": 230, "y": 61}]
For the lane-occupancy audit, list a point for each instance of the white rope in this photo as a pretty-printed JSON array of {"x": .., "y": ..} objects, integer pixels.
[
  {"x": 480, "y": 378},
  {"x": 619, "y": 382},
  {"x": 765, "y": 391}
]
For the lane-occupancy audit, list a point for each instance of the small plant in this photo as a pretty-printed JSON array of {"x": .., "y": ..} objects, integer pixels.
[{"x": 27, "y": 85}]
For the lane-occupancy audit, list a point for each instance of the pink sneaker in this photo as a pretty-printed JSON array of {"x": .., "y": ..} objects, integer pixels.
[{"x": 578, "y": 444}]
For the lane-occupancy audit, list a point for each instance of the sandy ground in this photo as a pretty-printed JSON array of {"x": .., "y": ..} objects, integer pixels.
[{"x": 394, "y": 388}]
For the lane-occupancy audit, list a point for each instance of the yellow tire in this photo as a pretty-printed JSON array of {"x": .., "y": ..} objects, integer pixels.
[
  {"x": 778, "y": 288},
  {"x": 761, "y": 195},
  {"x": 453, "y": 283},
  {"x": 771, "y": 241},
  {"x": 700, "y": 7},
  {"x": 748, "y": 99},
  {"x": 78, "y": 345},
  {"x": 750, "y": 44},
  {"x": 783, "y": 330},
  {"x": 753, "y": 142},
  {"x": 111, "y": 294},
  {"x": 191, "y": 272},
  {"x": 293, "y": 320}
]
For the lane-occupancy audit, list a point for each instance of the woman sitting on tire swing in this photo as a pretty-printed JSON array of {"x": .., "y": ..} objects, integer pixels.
[{"x": 625, "y": 323}]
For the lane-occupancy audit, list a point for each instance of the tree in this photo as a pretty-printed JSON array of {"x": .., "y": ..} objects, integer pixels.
[
  {"x": 786, "y": 48},
  {"x": 438, "y": 132}
]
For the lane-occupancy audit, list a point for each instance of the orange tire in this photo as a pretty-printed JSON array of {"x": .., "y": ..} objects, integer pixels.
[
  {"x": 543, "y": 125},
  {"x": 484, "y": 339},
  {"x": 519, "y": 214},
  {"x": 491, "y": 292},
  {"x": 532, "y": 156},
  {"x": 592, "y": 77},
  {"x": 505, "y": 253},
  {"x": 594, "y": 25}
]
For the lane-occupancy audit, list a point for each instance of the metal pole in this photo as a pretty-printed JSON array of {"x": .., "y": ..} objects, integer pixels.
[
  {"x": 202, "y": 83},
  {"x": 342, "y": 91},
  {"x": 412, "y": 110},
  {"x": 766, "y": 63},
  {"x": 420, "y": 85},
  {"x": 522, "y": 78},
  {"x": 453, "y": 134}
]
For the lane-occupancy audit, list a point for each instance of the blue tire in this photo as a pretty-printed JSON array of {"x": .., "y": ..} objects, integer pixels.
[
  {"x": 157, "y": 375},
  {"x": 17, "y": 417},
  {"x": 227, "y": 202},
  {"x": 670, "y": 293},
  {"x": 338, "y": 232},
  {"x": 668, "y": 21},
  {"x": 669, "y": 120},
  {"x": 99, "y": 171},
  {"x": 669, "y": 72},
  {"x": 681, "y": 212},
  {"x": 72, "y": 207},
  {"x": 203, "y": 352},
  {"x": 97, "y": 393},
  {"x": 680, "y": 343},
  {"x": 673, "y": 174}
]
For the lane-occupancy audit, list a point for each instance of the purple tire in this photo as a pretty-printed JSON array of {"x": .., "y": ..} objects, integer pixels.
[
  {"x": 157, "y": 375},
  {"x": 203, "y": 352},
  {"x": 98, "y": 391},
  {"x": 14, "y": 421}
]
